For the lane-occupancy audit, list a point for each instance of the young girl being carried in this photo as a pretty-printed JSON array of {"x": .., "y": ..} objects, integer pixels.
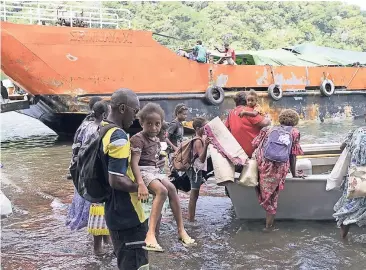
[
  {"x": 145, "y": 164},
  {"x": 199, "y": 164},
  {"x": 252, "y": 102}
]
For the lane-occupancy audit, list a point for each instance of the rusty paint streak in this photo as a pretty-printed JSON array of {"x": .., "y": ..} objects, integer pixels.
[
  {"x": 263, "y": 80},
  {"x": 281, "y": 80},
  {"x": 222, "y": 80}
]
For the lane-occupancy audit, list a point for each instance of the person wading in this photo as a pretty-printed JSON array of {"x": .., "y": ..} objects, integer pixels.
[{"x": 123, "y": 211}]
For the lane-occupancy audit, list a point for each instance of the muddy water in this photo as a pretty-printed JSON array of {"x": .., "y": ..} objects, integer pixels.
[{"x": 34, "y": 237}]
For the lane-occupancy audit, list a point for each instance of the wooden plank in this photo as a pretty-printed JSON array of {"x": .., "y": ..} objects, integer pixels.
[{"x": 14, "y": 106}]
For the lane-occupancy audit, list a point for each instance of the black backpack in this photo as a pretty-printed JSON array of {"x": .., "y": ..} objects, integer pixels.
[{"x": 90, "y": 171}]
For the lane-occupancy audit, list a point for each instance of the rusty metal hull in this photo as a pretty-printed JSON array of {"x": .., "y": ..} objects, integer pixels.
[
  {"x": 48, "y": 60},
  {"x": 54, "y": 113}
]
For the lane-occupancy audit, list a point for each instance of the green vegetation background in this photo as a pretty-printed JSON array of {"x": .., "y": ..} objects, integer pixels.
[
  {"x": 251, "y": 25},
  {"x": 246, "y": 25}
]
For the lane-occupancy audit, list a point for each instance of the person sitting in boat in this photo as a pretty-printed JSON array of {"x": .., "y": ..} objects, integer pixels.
[
  {"x": 230, "y": 56},
  {"x": 272, "y": 166},
  {"x": 199, "y": 53},
  {"x": 352, "y": 211},
  {"x": 245, "y": 128}
]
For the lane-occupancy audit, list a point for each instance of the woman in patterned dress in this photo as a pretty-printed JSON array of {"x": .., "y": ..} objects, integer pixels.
[
  {"x": 78, "y": 214},
  {"x": 272, "y": 174},
  {"x": 352, "y": 211}
]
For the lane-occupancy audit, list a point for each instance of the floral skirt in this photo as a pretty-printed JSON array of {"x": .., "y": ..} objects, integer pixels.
[
  {"x": 350, "y": 211},
  {"x": 77, "y": 216}
]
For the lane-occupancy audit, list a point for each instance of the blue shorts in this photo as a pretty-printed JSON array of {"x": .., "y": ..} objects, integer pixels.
[{"x": 195, "y": 177}]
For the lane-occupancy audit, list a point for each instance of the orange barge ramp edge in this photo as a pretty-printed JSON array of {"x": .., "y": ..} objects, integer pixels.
[{"x": 62, "y": 67}]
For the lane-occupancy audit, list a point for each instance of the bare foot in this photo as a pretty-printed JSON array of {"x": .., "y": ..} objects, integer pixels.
[
  {"x": 107, "y": 240},
  {"x": 344, "y": 231},
  {"x": 99, "y": 252}
]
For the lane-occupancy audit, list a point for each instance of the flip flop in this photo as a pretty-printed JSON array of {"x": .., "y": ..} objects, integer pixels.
[
  {"x": 188, "y": 241},
  {"x": 151, "y": 247}
]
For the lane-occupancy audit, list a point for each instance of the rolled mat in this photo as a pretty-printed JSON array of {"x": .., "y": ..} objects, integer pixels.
[
  {"x": 225, "y": 151},
  {"x": 223, "y": 168},
  {"x": 224, "y": 142}
]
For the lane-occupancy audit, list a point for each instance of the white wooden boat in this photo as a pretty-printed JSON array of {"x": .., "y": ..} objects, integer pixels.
[
  {"x": 303, "y": 199},
  {"x": 5, "y": 205}
]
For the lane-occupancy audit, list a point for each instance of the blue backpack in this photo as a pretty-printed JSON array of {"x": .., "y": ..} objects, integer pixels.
[{"x": 279, "y": 144}]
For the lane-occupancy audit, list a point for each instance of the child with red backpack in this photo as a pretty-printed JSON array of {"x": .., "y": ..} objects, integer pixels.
[{"x": 276, "y": 151}]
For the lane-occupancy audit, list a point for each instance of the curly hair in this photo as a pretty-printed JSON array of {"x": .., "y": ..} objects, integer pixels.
[
  {"x": 289, "y": 117},
  {"x": 198, "y": 122},
  {"x": 148, "y": 109},
  {"x": 181, "y": 107},
  {"x": 240, "y": 99},
  {"x": 253, "y": 93}
]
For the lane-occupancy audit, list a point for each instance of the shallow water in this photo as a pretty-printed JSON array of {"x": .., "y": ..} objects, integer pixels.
[{"x": 34, "y": 237}]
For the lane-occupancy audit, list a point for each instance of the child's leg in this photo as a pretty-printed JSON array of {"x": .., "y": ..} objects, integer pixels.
[
  {"x": 193, "y": 197},
  {"x": 157, "y": 229},
  {"x": 196, "y": 182},
  {"x": 344, "y": 230},
  {"x": 175, "y": 206},
  {"x": 98, "y": 244},
  {"x": 161, "y": 194},
  {"x": 107, "y": 240}
]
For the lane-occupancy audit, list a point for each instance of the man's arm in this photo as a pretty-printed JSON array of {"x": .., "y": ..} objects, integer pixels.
[
  {"x": 264, "y": 123},
  {"x": 220, "y": 51},
  {"x": 118, "y": 151},
  {"x": 123, "y": 183}
]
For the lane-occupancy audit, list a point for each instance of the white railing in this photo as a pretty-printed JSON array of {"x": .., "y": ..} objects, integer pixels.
[{"x": 39, "y": 12}]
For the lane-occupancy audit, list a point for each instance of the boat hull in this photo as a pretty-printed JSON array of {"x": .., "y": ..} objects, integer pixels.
[
  {"x": 302, "y": 199},
  {"x": 63, "y": 114}
]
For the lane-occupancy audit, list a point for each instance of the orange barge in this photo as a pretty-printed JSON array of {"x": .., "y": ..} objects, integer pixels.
[{"x": 62, "y": 67}]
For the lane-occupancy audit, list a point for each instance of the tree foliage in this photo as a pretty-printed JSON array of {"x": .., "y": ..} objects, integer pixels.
[
  {"x": 246, "y": 25},
  {"x": 251, "y": 25}
]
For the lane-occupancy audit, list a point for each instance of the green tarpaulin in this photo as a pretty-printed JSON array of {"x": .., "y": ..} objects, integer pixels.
[
  {"x": 344, "y": 57},
  {"x": 301, "y": 55}
]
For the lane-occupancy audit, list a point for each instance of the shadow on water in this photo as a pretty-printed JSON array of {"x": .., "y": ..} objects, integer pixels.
[{"x": 34, "y": 236}]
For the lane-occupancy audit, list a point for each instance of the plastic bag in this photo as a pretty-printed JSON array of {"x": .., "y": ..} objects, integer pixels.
[{"x": 339, "y": 171}]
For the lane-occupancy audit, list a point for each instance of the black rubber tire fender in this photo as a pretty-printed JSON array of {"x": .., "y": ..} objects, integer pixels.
[
  {"x": 275, "y": 92},
  {"x": 327, "y": 88},
  {"x": 215, "y": 95}
]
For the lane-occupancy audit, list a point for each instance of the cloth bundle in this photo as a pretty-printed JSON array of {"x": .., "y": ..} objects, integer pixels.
[{"x": 226, "y": 153}]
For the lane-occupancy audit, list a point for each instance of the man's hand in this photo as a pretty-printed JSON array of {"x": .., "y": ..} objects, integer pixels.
[{"x": 142, "y": 192}]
